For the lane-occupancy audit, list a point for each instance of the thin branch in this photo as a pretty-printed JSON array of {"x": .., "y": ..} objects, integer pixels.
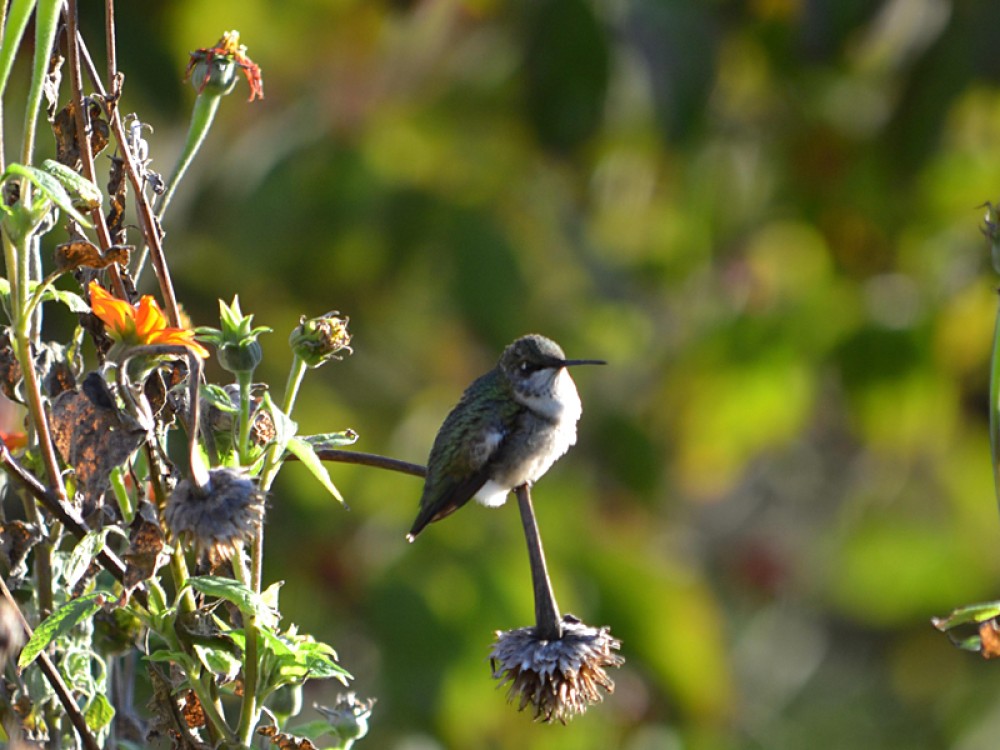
[
  {"x": 109, "y": 38},
  {"x": 147, "y": 222},
  {"x": 548, "y": 621},
  {"x": 368, "y": 459},
  {"x": 66, "y": 515},
  {"x": 83, "y": 136},
  {"x": 55, "y": 680}
]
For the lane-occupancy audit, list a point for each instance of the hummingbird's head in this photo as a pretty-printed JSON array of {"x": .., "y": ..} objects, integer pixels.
[{"x": 533, "y": 362}]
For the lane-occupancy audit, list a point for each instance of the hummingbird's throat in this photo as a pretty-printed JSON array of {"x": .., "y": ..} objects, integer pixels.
[{"x": 551, "y": 395}]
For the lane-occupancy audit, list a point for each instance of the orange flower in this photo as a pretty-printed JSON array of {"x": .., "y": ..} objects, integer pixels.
[{"x": 144, "y": 325}]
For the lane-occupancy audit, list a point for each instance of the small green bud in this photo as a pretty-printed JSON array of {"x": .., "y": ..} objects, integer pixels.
[
  {"x": 317, "y": 340},
  {"x": 236, "y": 341},
  {"x": 241, "y": 357}
]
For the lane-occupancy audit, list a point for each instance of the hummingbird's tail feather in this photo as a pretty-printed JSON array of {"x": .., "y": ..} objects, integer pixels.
[{"x": 450, "y": 497}]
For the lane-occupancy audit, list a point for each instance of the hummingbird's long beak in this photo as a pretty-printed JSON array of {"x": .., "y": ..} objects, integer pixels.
[{"x": 571, "y": 362}]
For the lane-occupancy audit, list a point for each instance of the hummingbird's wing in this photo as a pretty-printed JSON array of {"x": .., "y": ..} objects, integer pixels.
[{"x": 459, "y": 464}]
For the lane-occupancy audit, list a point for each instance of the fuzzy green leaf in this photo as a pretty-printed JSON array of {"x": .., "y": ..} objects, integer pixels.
[
  {"x": 88, "y": 195},
  {"x": 49, "y": 186},
  {"x": 59, "y": 623}
]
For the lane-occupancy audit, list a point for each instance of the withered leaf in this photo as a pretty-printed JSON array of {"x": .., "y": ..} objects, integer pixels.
[
  {"x": 286, "y": 741},
  {"x": 72, "y": 255},
  {"x": 10, "y": 369},
  {"x": 16, "y": 540},
  {"x": 145, "y": 550},
  {"x": 64, "y": 129},
  {"x": 192, "y": 711},
  {"x": 92, "y": 439},
  {"x": 989, "y": 639}
]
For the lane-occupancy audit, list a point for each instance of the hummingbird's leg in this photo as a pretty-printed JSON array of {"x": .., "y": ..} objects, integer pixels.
[{"x": 548, "y": 623}]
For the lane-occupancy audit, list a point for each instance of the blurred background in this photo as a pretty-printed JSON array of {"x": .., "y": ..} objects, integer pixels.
[{"x": 762, "y": 214}]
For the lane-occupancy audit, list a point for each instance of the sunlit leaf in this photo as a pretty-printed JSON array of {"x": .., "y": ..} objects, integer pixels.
[
  {"x": 99, "y": 712},
  {"x": 307, "y": 455},
  {"x": 59, "y": 623}
]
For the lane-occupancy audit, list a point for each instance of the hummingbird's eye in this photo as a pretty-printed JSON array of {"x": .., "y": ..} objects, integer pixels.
[{"x": 524, "y": 367}]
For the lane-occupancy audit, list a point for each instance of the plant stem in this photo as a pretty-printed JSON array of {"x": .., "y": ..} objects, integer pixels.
[
  {"x": 249, "y": 714},
  {"x": 245, "y": 380},
  {"x": 272, "y": 463},
  {"x": 995, "y": 405},
  {"x": 83, "y": 138},
  {"x": 125, "y": 506},
  {"x": 548, "y": 622},
  {"x": 202, "y": 116},
  {"x": 46, "y": 17}
]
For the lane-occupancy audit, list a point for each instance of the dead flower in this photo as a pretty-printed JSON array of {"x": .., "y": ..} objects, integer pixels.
[{"x": 557, "y": 678}]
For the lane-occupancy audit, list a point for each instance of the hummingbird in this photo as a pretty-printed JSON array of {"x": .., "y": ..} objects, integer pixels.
[{"x": 508, "y": 429}]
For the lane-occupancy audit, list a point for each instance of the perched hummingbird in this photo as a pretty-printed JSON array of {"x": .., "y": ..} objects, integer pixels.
[{"x": 508, "y": 428}]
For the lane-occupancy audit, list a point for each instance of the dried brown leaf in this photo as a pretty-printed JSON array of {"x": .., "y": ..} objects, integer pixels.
[
  {"x": 989, "y": 639},
  {"x": 16, "y": 540},
  {"x": 93, "y": 439},
  {"x": 64, "y": 130},
  {"x": 286, "y": 741},
  {"x": 145, "y": 550},
  {"x": 72, "y": 255},
  {"x": 192, "y": 711}
]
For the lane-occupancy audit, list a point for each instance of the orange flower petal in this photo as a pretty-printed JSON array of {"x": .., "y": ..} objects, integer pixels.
[
  {"x": 149, "y": 319},
  {"x": 118, "y": 315}
]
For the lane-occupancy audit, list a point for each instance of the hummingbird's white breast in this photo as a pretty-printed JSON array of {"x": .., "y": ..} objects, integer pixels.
[{"x": 552, "y": 399}]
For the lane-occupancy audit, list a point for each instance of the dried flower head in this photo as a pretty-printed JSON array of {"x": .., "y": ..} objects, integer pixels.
[
  {"x": 557, "y": 678},
  {"x": 318, "y": 340},
  {"x": 213, "y": 69},
  {"x": 348, "y": 717},
  {"x": 219, "y": 516}
]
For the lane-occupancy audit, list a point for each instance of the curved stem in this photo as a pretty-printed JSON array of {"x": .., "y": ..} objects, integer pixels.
[
  {"x": 46, "y": 17},
  {"x": 202, "y": 116},
  {"x": 548, "y": 622}
]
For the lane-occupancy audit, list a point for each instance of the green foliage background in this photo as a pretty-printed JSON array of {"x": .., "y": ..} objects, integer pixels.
[{"x": 763, "y": 214}]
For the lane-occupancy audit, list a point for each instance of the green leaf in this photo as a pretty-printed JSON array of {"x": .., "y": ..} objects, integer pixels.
[
  {"x": 59, "y": 623},
  {"x": 307, "y": 455},
  {"x": 332, "y": 439},
  {"x": 181, "y": 659},
  {"x": 83, "y": 554},
  {"x": 218, "y": 661},
  {"x": 49, "y": 186},
  {"x": 974, "y": 613},
  {"x": 236, "y": 593},
  {"x": 72, "y": 300},
  {"x": 88, "y": 194},
  {"x": 218, "y": 397},
  {"x": 284, "y": 426},
  {"x": 99, "y": 712},
  {"x": 296, "y": 658}
]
